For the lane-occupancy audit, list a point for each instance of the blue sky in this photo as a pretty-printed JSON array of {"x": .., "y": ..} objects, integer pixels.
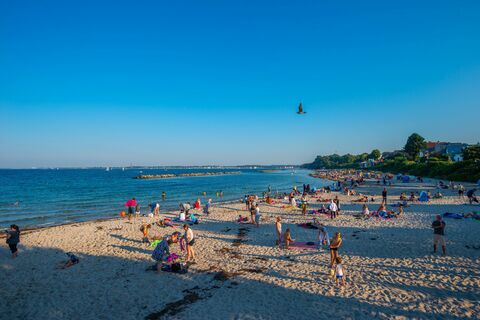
[{"x": 217, "y": 82}]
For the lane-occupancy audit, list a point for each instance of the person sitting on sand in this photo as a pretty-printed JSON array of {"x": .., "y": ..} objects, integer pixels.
[
  {"x": 335, "y": 244},
  {"x": 182, "y": 216},
  {"x": 278, "y": 230},
  {"x": 400, "y": 211},
  {"x": 438, "y": 195},
  {"x": 287, "y": 238},
  {"x": 339, "y": 271},
  {"x": 365, "y": 211},
  {"x": 72, "y": 260},
  {"x": 242, "y": 219},
  {"x": 185, "y": 207},
  {"x": 412, "y": 197}
]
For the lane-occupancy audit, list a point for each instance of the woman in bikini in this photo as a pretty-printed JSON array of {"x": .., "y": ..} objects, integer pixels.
[{"x": 335, "y": 243}]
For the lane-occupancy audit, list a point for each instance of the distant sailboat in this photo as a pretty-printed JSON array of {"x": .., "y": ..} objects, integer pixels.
[
  {"x": 107, "y": 169},
  {"x": 300, "y": 109}
]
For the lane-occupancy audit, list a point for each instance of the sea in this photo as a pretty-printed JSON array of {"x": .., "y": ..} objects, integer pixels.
[{"x": 42, "y": 197}]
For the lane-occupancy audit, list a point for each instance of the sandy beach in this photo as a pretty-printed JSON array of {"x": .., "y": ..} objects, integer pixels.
[{"x": 241, "y": 274}]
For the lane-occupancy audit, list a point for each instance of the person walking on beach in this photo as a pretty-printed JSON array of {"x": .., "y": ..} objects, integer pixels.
[
  {"x": 131, "y": 207},
  {"x": 384, "y": 195},
  {"x": 304, "y": 203},
  {"x": 461, "y": 191},
  {"x": 258, "y": 216},
  {"x": 337, "y": 202},
  {"x": 252, "y": 213},
  {"x": 278, "y": 230},
  {"x": 206, "y": 209},
  {"x": 13, "y": 238},
  {"x": 335, "y": 244},
  {"x": 438, "y": 234},
  {"x": 189, "y": 240},
  {"x": 332, "y": 207}
]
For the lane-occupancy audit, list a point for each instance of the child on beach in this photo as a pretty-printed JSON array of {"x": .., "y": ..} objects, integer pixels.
[
  {"x": 278, "y": 230},
  {"x": 288, "y": 238},
  {"x": 339, "y": 271},
  {"x": 137, "y": 210},
  {"x": 13, "y": 238},
  {"x": 145, "y": 229},
  {"x": 72, "y": 260}
]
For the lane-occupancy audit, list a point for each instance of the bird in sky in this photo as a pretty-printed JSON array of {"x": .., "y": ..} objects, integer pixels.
[{"x": 300, "y": 109}]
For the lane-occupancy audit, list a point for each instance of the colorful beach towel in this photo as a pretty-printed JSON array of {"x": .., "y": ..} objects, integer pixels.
[
  {"x": 303, "y": 246},
  {"x": 307, "y": 225}
]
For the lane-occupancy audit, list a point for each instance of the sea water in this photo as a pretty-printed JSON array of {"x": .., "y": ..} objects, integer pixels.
[{"x": 40, "y": 197}]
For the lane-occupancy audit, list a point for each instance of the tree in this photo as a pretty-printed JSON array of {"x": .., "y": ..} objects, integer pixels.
[
  {"x": 471, "y": 152},
  {"x": 375, "y": 154},
  {"x": 415, "y": 143}
]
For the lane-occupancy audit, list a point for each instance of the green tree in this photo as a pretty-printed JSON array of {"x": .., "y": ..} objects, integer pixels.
[
  {"x": 415, "y": 143},
  {"x": 375, "y": 154},
  {"x": 471, "y": 152}
]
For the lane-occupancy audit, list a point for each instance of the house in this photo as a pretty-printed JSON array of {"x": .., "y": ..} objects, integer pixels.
[{"x": 453, "y": 150}]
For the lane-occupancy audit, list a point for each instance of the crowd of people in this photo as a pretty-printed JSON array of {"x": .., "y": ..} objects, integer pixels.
[{"x": 188, "y": 215}]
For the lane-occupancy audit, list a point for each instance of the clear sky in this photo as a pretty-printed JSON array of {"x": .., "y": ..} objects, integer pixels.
[{"x": 85, "y": 83}]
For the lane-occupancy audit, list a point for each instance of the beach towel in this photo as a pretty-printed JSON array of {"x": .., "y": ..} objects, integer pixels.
[
  {"x": 180, "y": 222},
  {"x": 303, "y": 246},
  {"x": 453, "y": 215},
  {"x": 307, "y": 225}
]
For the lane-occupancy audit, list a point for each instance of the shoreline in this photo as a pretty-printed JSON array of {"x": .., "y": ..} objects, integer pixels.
[
  {"x": 182, "y": 175},
  {"x": 391, "y": 272}
]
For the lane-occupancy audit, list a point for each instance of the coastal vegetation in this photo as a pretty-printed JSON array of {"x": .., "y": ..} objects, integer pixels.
[{"x": 412, "y": 159}]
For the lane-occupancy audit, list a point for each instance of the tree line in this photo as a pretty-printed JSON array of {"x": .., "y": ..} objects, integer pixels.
[{"x": 409, "y": 160}]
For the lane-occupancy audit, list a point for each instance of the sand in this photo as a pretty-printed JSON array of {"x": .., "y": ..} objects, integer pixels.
[{"x": 240, "y": 274}]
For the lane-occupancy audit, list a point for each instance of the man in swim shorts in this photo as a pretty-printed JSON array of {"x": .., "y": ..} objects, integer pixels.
[{"x": 438, "y": 234}]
